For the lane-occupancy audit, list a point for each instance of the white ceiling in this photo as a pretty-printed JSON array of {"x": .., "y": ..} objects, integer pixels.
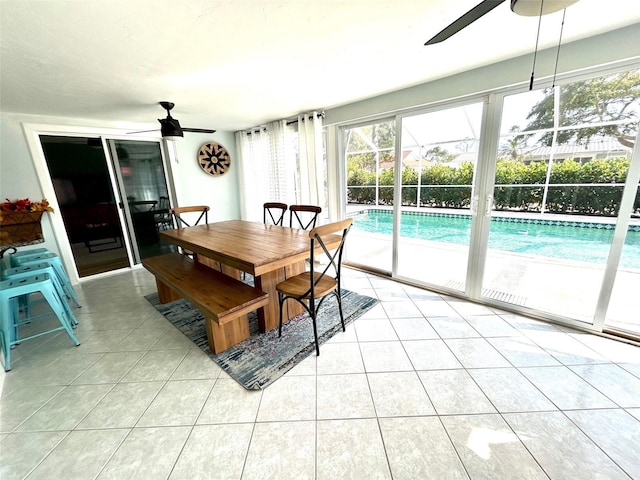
[{"x": 233, "y": 64}]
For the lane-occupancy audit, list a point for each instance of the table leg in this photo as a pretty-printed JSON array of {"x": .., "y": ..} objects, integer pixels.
[
  {"x": 211, "y": 263},
  {"x": 268, "y": 316}
]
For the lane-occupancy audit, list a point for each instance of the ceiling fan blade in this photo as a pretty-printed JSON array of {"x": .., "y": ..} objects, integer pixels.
[
  {"x": 143, "y": 131},
  {"x": 197, "y": 130},
  {"x": 471, "y": 16}
]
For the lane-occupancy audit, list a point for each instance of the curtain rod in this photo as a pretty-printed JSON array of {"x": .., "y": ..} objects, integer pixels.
[
  {"x": 290, "y": 122},
  {"x": 319, "y": 115}
]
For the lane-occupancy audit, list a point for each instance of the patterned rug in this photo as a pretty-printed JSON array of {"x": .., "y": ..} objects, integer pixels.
[{"x": 264, "y": 357}]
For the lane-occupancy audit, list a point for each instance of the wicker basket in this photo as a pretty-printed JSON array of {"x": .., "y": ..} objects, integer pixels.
[{"x": 20, "y": 228}]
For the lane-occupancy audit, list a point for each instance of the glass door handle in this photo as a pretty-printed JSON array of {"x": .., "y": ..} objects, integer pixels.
[
  {"x": 488, "y": 206},
  {"x": 474, "y": 205}
]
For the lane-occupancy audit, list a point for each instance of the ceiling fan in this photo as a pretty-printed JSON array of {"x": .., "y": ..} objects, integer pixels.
[
  {"x": 170, "y": 127},
  {"x": 527, "y": 8}
]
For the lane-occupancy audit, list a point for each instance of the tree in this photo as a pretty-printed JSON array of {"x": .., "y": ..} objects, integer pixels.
[
  {"x": 466, "y": 145},
  {"x": 514, "y": 146},
  {"x": 439, "y": 155},
  {"x": 604, "y": 99}
]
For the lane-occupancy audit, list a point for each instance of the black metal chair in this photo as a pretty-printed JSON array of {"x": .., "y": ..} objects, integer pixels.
[
  {"x": 312, "y": 287},
  {"x": 178, "y": 215},
  {"x": 180, "y": 222},
  {"x": 274, "y": 211},
  {"x": 163, "y": 219},
  {"x": 305, "y": 216}
]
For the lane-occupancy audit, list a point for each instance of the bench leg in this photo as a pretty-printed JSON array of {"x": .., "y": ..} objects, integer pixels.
[
  {"x": 223, "y": 336},
  {"x": 166, "y": 294}
]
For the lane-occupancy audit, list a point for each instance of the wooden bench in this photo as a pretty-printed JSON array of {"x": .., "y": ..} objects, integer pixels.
[{"x": 223, "y": 300}]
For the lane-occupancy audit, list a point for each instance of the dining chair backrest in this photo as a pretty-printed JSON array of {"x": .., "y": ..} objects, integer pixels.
[
  {"x": 177, "y": 214},
  {"x": 163, "y": 219},
  {"x": 163, "y": 203},
  {"x": 143, "y": 205},
  {"x": 303, "y": 216},
  {"x": 273, "y": 212},
  {"x": 329, "y": 260}
]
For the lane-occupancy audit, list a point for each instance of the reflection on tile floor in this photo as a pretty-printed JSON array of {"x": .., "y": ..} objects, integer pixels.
[{"x": 421, "y": 387}]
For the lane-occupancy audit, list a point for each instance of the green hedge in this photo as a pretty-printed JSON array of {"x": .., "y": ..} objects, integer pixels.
[{"x": 601, "y": 197}]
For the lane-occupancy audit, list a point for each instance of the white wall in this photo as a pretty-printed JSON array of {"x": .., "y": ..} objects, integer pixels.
[{"x": 195, "y": 187}]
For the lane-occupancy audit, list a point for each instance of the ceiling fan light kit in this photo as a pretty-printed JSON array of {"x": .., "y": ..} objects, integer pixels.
[
  {"x": 533, "y": 8},
  {"x": 170, "y": 127}
]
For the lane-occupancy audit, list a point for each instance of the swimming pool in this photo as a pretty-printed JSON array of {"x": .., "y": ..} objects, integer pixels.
[{"x": 581, "y": 241}]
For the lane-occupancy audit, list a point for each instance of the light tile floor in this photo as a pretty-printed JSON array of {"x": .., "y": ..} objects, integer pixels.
[{"x": 421, "y": 387}]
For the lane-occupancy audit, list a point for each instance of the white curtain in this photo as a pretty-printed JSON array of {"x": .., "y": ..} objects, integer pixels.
[
  {"x": 311, "y": 162},
  {"x": 281, "y": 163},
  {"x": 266, "y": 166}
]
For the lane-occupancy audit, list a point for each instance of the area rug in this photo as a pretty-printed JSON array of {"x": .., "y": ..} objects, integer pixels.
[{"x": 264, "y": 357}]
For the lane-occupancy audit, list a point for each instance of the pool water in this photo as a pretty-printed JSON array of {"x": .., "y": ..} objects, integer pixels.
[{"x": 580, "y": 243}]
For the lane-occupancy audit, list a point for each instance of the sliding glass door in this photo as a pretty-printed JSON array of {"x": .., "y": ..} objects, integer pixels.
[
  {"x": 369, "y": 153},
  {"x": 422, "y": 188},
  {"x": 559, "y": 178},
  {"x": 439, "y": 153},
  {"x": 144, "y": 194}
]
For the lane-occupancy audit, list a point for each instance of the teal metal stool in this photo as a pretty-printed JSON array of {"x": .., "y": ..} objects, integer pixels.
[
  {"x": 10, "y": 291},
  {"x": 32, "y": 251},
  {"x": 30, "y": 270},
  {"x": 13, "y": 257},
  {"x": 54, "y": 260}
]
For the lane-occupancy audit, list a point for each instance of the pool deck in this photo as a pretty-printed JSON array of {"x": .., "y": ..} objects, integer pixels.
[{"x": 548, "y": 285}]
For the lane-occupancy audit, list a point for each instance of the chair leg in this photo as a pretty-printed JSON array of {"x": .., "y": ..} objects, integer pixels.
[
  {"x": 66, "y": 283},
  {"x": 281, "y": 300},
  {"x": 315, "y": 333},
  {"x": 5, "y": 331},
  {"x": 14, "y": 303},
  {"x": 340, "y": 308},
  {"x": 56, "y": 305}
]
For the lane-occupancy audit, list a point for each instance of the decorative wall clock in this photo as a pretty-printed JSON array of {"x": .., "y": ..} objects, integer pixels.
[{"x": 214, "y": 159}]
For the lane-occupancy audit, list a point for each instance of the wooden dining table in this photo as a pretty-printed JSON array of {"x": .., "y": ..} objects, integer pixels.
[{"x": 270, "y": 253}]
